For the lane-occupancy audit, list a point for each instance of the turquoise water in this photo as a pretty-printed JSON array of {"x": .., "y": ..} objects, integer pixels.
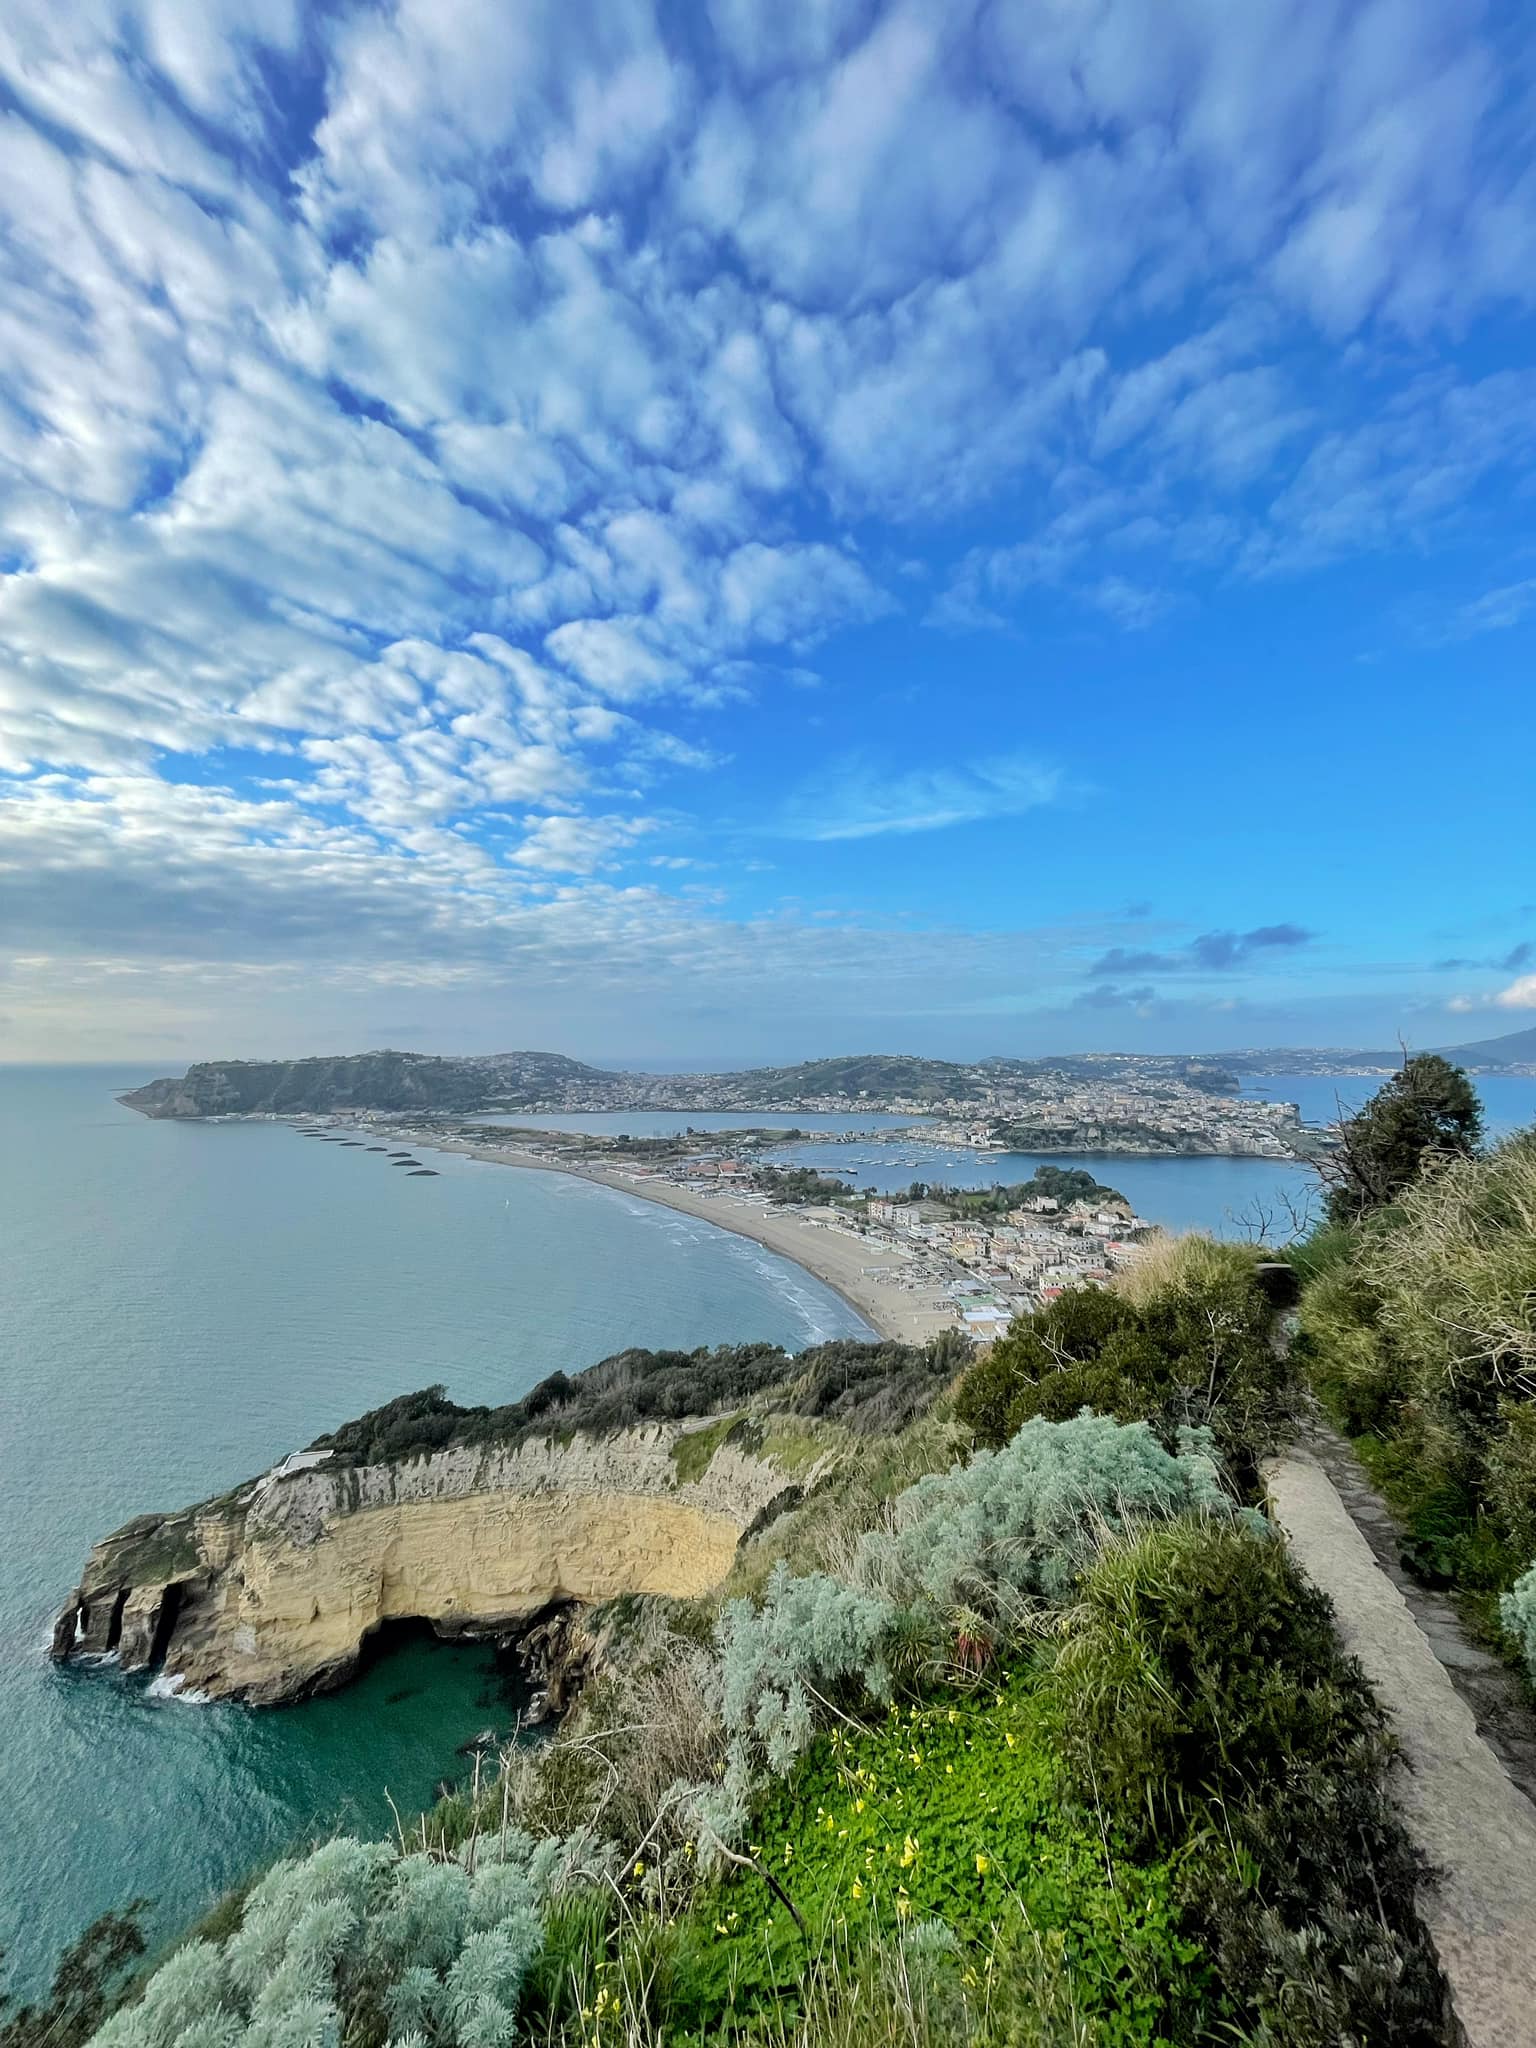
[
  {"x": 180, "y": 1304},
  {"x": 1226, "y": 1196}
]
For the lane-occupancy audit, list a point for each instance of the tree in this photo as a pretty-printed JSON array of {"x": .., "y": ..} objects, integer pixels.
[
  {"x": 86, "y": 1985},
  {"x": 1428, "y": 1109}
]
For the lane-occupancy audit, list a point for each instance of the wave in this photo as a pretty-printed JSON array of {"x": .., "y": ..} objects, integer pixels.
[{"x": 172, "y": 1685}]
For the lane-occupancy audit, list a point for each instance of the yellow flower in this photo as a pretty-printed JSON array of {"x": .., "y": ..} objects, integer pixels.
[
  {"x": 908, "y": 1853},
  {"x": 639, "y": 1870},
  {"x": 917, "y": 1758},
  {"x": 858, "y": 1889},
  {"x": 952, "y": 1717},
  {"x": 949, "y": 1770},
  {"x": 903, "y": 1903},
  {"x": 983, "y": 1865},
  {"x": 1011, "y": 1741},
  {"x": 858, "y": 1806}
]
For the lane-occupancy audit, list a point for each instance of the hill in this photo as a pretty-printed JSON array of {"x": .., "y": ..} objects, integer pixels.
[
  {"x": 367, "y": 1080},
  {"x": 396, "y": 1081},
  {"x": 1513, "y": 1049},
  {"x": 854, "y": 1075}
]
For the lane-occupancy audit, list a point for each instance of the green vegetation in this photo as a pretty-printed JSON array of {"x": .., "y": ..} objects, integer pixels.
[
  {"x": 1418, "y": 1331},
  {"x": 801, "y": 1184},
  {"x": 1042, "y": 1133},
  {"x": 1182, "y": 1341},
  {"x": 879, "y": 1074},
  {"x": 1205, "y": 1696},
  {"x": 1050, "y": 1747},
  {"x": 865, "y": 1386},
  {"x": 1426, "y": 1112},
  {"x": 942, "y": 1820},
  {"x": 1063, "y": 1185},
  {"x": 86, "y": 1985},
  {"x": 694, "y": 1450}
]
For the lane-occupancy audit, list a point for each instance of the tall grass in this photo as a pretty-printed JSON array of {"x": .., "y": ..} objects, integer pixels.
[
  {"x": 1184, "y": 1263},
  {"x": 1422, "y": 1345}
]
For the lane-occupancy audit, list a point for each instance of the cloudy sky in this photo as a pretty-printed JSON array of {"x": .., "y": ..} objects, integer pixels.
[{"x": 665, "y": 532}]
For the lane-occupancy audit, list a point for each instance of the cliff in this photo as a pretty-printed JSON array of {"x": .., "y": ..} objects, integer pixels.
[{"x": 269, "y": 1594}]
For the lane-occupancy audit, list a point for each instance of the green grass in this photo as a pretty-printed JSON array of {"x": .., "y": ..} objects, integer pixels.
[
  {"x": 1447, "y": 1541},
  {"x": 694, "y": 1450},
  {"x": 947, "y": 1812}
]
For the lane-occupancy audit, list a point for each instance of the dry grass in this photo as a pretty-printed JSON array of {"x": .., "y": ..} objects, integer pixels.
[
  {"x": 651, "y": 1720},
  {"x": 1456, "y": 1270},
  {"x": 1188, "y": 1263}
]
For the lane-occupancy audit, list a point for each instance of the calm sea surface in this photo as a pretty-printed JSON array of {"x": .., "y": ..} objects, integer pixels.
[
  {"x": 180, "y": 1304},
  {"x": 1220, "y": 1195}
]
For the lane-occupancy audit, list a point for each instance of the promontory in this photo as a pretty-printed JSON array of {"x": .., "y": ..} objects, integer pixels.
[{"x": 640, "y": 1476}]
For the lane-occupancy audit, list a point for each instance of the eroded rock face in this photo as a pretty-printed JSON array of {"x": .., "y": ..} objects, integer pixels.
[{"x": 269, "y": 1594}]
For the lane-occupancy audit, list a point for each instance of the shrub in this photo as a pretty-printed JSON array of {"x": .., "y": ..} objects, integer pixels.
[
  {"x": 811, "y": 1638},
  {"x": 1203, "y": 1688},
  {"x": 867, "y": 1386},
  {"x": 1517, "y": 1611},
  {"x": 1511, "y": 1475},
  {"x": 85, "y": 1985},
  {"x": 1342, "y": 1351},
  {"x": 1185, "y": 1343},
  {"x": 357, "y": 1941},
  {"x": 1427, "y": 1339},
  {"x": 1015, "y": 1526}
]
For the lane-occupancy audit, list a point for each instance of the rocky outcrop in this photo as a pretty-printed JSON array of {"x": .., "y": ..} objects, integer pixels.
[{"x": 269, "y": 1594}]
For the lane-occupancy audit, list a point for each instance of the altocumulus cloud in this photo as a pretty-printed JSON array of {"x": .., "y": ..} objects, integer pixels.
[{"x": 419, "y": 421}]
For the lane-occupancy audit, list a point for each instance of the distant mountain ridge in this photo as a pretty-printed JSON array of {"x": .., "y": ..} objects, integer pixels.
[
  {"x": 1514, "y": 1049},
  {"x": 473, "y": 1083},
  {"x": 477, "y": 1083},
  {"x": 1509, "y": 1052}
]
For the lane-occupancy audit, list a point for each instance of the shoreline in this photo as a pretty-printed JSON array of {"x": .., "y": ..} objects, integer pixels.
[{"x": 835, "y": 1258}]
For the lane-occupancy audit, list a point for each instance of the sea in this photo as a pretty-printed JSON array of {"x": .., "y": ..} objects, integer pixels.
[
  {"x": 1249, "y": 1198},
  {"x": 181, "y": 1304}
]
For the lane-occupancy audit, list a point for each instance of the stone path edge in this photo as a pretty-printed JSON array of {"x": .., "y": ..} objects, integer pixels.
[{"x": 1474, "y": 1827}]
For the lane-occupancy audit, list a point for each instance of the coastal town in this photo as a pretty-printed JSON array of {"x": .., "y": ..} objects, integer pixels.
[
  {"x": 935, "y": 1259},
  {"x": 973, "y": 1269},
  {"x": 1147, "y": 1105},
  {"x": 914, "y": 1264}
]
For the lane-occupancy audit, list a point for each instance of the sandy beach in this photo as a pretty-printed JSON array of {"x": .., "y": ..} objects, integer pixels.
[{"x": 869, "y": 1281}]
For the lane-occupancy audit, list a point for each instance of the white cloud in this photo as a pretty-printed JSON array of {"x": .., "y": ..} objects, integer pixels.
[
  {"x": 1520, "y": 995},
  {"x": 854, "y": 800},
  {"x": 576, "y": 846},
  {"x": 441, "y": 402}
]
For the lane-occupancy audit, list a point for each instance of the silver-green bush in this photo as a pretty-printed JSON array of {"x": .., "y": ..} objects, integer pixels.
[{"x": 440, "y": 1948}]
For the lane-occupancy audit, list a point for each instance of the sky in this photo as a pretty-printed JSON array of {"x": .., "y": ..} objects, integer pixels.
[{"x": 745, "y": 532}]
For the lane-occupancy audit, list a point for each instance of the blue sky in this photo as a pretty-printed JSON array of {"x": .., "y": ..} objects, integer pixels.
[{"x": 743, "y": 532}]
